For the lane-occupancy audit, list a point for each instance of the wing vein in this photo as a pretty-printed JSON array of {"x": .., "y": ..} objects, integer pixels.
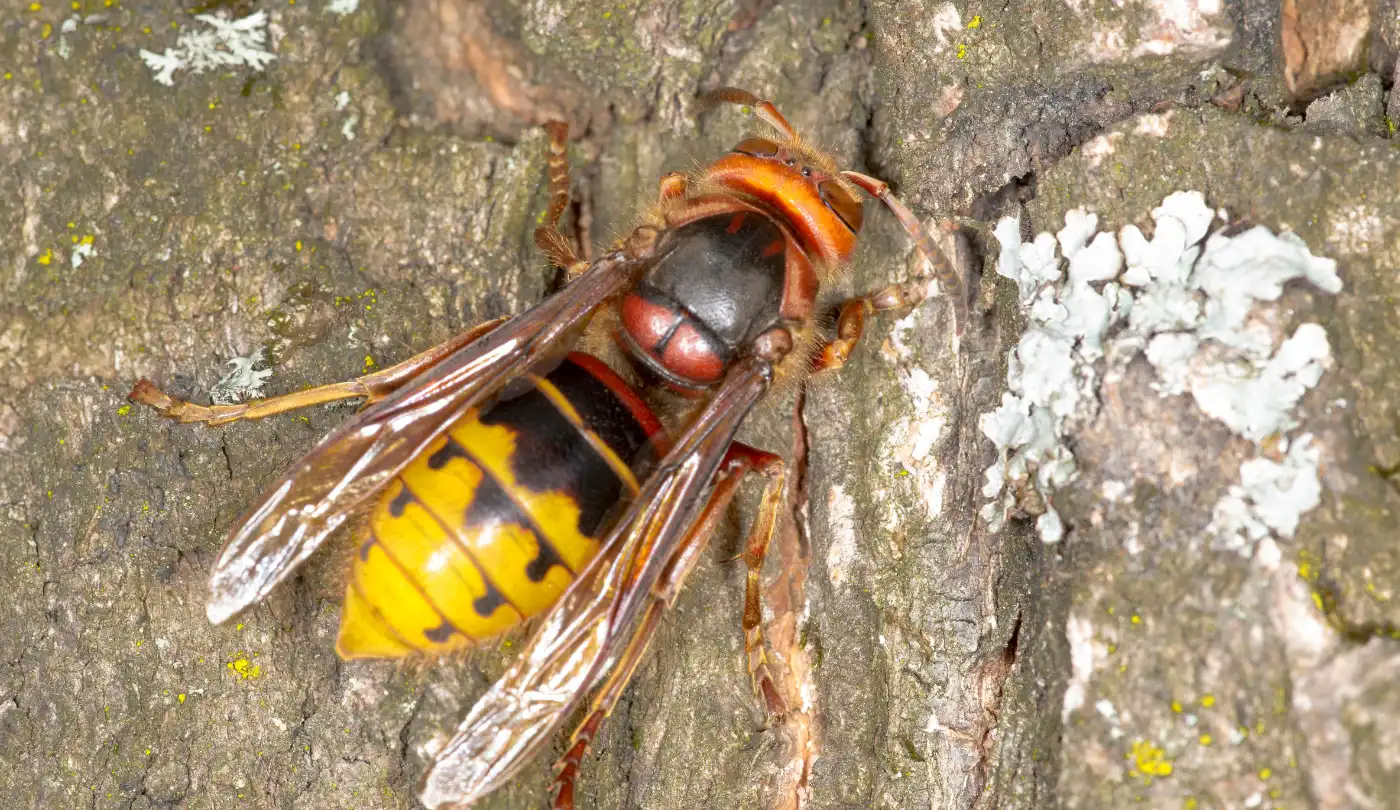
[
  {"x": 580, "y": 637},
  {"x": 355, "y": 461}
]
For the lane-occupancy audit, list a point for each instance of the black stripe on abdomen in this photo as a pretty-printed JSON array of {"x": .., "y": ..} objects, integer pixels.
[
  {"x": 551, "y": 455},
  {"x": 484, "y": 605},
  {"x": 493, "y": 504},
  {"x": 601, "y": 411}
]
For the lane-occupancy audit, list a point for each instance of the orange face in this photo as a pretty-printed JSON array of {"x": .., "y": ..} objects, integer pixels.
[{"x": 823, "y": 214}]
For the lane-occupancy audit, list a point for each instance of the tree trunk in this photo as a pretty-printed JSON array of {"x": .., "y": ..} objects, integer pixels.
[{"x": 372, "y": 191}]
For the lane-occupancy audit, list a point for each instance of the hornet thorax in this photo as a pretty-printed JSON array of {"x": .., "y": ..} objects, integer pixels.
[{"x": 717, "y": 290}]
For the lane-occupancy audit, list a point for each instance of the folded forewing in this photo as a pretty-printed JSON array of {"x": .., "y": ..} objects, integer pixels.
[
  {"x": 584, "y": 632},
  {"x": 316, "y": 495}
]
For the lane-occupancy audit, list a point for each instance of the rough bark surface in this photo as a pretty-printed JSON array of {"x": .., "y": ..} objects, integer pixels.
[{"x": 373, "y": 192}]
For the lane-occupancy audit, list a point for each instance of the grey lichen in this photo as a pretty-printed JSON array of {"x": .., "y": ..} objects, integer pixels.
[
  {"x": 243, "y": 381},
  {"x": 1187, "y": 301},
  {"x": 1271, "y": 496},
  {"x": 223, "y": 43}
]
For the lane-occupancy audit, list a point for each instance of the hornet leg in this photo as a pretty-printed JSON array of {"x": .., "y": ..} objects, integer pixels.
[
  {"x": 371, "y": 387},
  {"x": 755, "y": 551},
  {"x": 850, "y": 324},
  {"x": 740, "y": 460},
  {"x": 547, "y": 236},
  {"x": 947, "y": 275}
]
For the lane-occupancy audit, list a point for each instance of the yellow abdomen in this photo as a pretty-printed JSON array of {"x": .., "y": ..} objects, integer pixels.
[{"x": 490, "y": 525}]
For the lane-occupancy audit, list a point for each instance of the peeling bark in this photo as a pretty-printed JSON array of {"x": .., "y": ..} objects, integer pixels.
[{"x": 1324, "y": 43}]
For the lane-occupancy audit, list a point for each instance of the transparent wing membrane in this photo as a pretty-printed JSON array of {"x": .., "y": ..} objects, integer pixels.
[
  {"x": 323, "y": 489},
  {"x": 582, "y": 635}
]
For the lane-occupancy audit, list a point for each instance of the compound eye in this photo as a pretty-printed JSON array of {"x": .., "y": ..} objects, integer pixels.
[
  {"x": 758, "y": 147},
  {"x": 839, "y": 200}
]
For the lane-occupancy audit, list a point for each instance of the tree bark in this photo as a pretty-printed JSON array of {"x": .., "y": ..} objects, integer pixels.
[{"x": 373, "y": 191}]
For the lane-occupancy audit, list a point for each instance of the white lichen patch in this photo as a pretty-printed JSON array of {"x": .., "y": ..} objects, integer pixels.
[
  {"x": 1085, "y": 653},
  {"x": 1100, "y": 147},
  {"x": 223, "y": 43},
  {"x": 931, "y": 413},
  {"x": 1271, "y": 496},
  {"x": 1255, "y": 398},
  {"x": 347, "y": 128},
  {"x": 1189, "y": 301},
  {"x": 895, "y": 348},
  {"x": 342, "y": 7},
  {"x": 1156, "y": 124},
  {"x": 1182, "y": 25},
  {"x": 913, "y": 437},
  {"x": 842, "y": 552},
  {"x": 1106, "y": 45},
  {"x": 242, "y": 382},
  {"x": 945, "y": 24},
  {"x": 70, "y": 25},
  {"x": 82, "y": 251}
]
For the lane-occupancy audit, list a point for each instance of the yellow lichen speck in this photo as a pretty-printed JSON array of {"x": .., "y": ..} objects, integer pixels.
[
  {"x": 244, "y": 668},
  {"x": 975, "y": 22},
  {"x": 1150, "y": 759}
]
